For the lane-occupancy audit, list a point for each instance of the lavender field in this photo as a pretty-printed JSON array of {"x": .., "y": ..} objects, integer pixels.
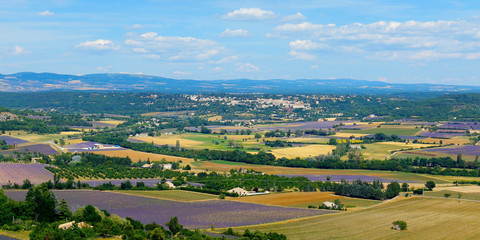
[
  {"x": 465, "y": 150},
  {"x": 338, "y": 178},
  {"x": 152, "y": 182},
  {"x": 12, "y": 140},
  {"x": 460, "y": 125},
  {"x": 17, "y": 172},
  {"x": 132, "y": 140},
  {"x": 34, "y": 148},
  {"x": 355, "y": 127},
  {"x": 220, "y": 213},
  {"x": 440, "y": 135}
]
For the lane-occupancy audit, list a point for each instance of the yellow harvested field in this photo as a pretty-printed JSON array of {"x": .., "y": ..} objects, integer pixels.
[
  {"x": 308, "y": 140},
  {"x": 455, "y": 140},
  {"x": 113, "y": 122},
  {"x": 70, "y": 133},
  {"x": 41, "y": 137},
  {"x": 170, "y": 140},
  {"x": 73, "y": 141},
  {"x": 137, "y": 156},
  {"x": 215, "y": 118},
  {"x": 304, "y": 151},
  {"x": 427, "y": 218},
  {"x": 463, "y": 189},
  {"x": 347, "y": 135},
  {"x": 287, "y": 199}
]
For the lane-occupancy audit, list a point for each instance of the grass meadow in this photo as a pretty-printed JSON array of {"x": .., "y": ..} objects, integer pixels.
[
  {"x": 381, "y": 150},
  {"x": 387, "y": 129}
]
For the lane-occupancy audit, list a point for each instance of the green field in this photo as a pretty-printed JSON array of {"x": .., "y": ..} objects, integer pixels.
[
  {"x": 227, "y": 162},
  {"x": 381, "y": 150},
  {"x": 409, "y": 131},
  {"x": 427, "y": 218},
  {"x": 23, "y": 235},
  {"x": 174, "y": 195}
]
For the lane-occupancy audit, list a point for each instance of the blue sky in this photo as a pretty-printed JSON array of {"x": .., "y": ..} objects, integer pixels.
[{"x": 393, "y": 41}]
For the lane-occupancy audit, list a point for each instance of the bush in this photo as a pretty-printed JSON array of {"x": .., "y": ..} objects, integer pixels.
[
  {"x": 418, "y": 191},
  {"x": 399, "y": 225}
]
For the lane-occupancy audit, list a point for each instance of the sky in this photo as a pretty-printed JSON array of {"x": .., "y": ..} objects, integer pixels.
[{"x": 428, "y": 41}]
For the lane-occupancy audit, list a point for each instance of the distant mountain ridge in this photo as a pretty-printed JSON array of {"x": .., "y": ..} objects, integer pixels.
[{"x": 32, "y": 82}]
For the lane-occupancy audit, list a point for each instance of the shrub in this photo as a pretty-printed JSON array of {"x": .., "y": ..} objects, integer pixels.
[{"x": 399, "y": 225}]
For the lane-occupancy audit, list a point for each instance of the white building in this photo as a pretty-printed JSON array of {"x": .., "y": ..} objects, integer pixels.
[
  {"x": 329, "y": 204},
  {"x": 239, "y": 191}
]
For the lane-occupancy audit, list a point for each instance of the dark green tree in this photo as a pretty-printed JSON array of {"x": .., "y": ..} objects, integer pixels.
[
  {"x": 430, "y": 185},
  {"x": 43, "y": 203},
  {"x": 174, "y": 226},
  {"x": 90, "y": 215},
  {"x": 64, "y": 211},
  {"x": 393, "y": 189},
  {"x": 156, "y": 234}
]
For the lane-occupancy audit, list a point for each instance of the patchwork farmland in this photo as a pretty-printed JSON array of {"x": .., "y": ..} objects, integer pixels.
[
  {"x": 200, "y": 214},
  {"x": 11, "y": 173}
]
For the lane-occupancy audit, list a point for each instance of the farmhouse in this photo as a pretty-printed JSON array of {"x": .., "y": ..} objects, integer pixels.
[
  {"x": 329, "y": 204},
  {"x": 239, "y": 191},
  {"x": 147, "y": 165},
  {"x": 166, "y": 166},
  {"x": 169, "y": 184},
  {"x": 68, "y": 225}
]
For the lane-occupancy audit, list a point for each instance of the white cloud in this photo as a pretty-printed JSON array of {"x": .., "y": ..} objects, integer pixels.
[
  {"x": 17, "y": 50},
  {"x": 104, "y": 69},
  {"x": 181, "y": 73},
  {"x": 225, "y": 59},
  {"x": 246, "y": 67},
  {"x": 140, "y": 50},
  {"x": 306, "y": 45},
  {"x": 99, "y": 45},
  {"x": 314, "y": 67},
  {"x": 410, "y": 40},
  {"x": 217, "y": 69},
  {"x": 295, "y": 17},
  {"x": 135, "y": 26},
  {"x": 46, "y": 13},
  {"x": 248, "y": 14},
  {"x": 234, "y": 33},
  {"x": 382, "y": 79},
  {"x": 301, "y": 55},
  {"x": 172, "y": 48}
]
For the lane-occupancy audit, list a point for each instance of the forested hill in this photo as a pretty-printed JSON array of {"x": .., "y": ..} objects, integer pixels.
[
  {"x": 26, "y": 81},
  {"x": 434, "y": 108}
]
